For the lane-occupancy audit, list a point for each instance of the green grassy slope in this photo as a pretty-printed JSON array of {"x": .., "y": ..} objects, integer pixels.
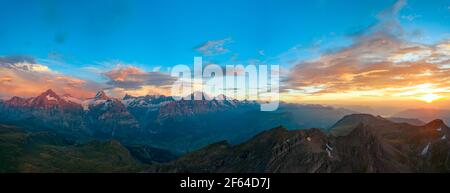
[{"x": 22, "y": 151}]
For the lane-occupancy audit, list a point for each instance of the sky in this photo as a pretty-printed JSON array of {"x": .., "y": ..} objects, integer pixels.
[{"x": 330, "y": 51}]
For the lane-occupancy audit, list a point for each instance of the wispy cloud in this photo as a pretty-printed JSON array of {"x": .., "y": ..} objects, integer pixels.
[
  {"x": 411, "y": 17},
  {"x": 16, "y": 59},
  {"x": 133, "y": 77},
  {"x": 214, "y": 47}
]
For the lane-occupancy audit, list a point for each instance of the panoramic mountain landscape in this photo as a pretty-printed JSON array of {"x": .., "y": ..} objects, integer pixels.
[
  {"x": 218, "y": 86},
  {"x": 102, "y": 134}
]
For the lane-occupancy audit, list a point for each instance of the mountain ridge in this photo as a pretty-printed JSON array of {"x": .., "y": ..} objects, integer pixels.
[
  {"x": 156, "y": 120},
  {"x": 398, "y": 147}
]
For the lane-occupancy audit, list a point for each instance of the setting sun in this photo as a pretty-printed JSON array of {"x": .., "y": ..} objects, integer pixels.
[{"x": 429, "y": 98}]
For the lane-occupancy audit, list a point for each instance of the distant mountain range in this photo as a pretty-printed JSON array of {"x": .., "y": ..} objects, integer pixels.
[
  {"x": 158, "y": 121},
  {"x": 356, "y": 143},
  {"x": 426, "y": 114}
]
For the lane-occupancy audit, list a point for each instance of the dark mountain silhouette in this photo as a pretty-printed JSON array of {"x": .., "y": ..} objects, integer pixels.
[
  {"x": 416, "y": 122},
  {"x": 362, "y": 143},
  {"x": 425, "y": 114}
]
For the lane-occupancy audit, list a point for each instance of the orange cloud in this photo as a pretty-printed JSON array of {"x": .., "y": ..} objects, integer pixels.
[
  {"x": 400, "y": 65},
  {"x": 130, "y": 77},
  {"x": 125, "y": 73},
  {"x": 380, "y": 63},
  {"x": 27, "y": 79}
]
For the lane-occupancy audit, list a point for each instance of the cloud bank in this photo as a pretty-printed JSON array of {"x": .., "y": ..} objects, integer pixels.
[
  {"x": 23, "y": 76},
  {"x": 132, "y": 80},
  {"x": 380, "y": 62}
]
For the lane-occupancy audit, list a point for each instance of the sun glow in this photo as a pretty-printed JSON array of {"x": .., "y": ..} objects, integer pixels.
[{"x": 429, "y": 98}]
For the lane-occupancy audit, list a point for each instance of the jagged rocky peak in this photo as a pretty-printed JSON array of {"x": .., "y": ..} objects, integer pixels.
[
  {"x": 204, "y": 96},
  {"x": 225, "y": 97},
  {"x": 49, "y": 95},
  {"x": 70, "y": 98},
  {"x": 146, "y": 101},
  {"x": 101, "y": 95},
  {"x": 156, "y": 96},
  {"x": 47, "y": 98},
  {"x": 16, "y": 101},
  {"x": 127, "y": 96},
  {"x": 221, "y": 97},
  {"x": 196, "y": 95}
]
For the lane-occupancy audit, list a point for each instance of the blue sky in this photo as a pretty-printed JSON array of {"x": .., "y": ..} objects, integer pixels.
[
  {"x": 166, "y": 33},
  {"x": 87, "y": 39}
]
